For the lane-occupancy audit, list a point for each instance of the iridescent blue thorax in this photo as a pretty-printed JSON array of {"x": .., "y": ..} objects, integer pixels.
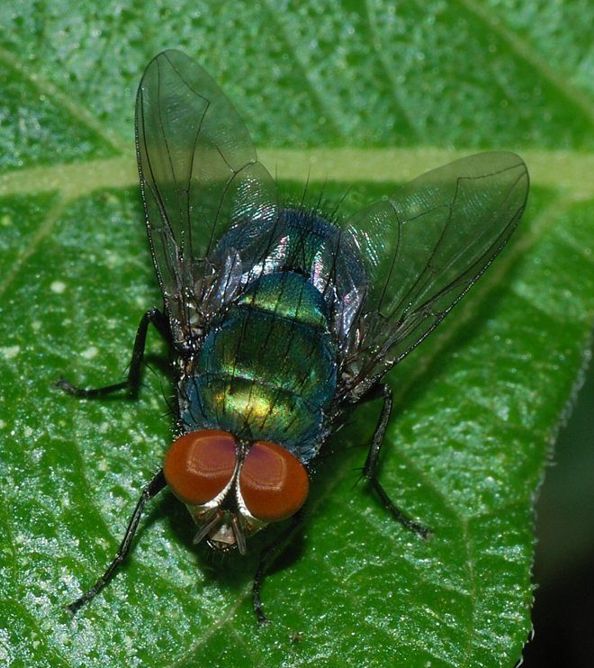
[{"x": 267, "y": 365}]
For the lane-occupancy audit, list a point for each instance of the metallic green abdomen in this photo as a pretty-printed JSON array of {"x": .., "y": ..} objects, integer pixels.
[{"x": 267, "y": 370}]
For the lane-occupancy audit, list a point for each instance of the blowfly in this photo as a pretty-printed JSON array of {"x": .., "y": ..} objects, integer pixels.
[{"x": 279, "y": 320}]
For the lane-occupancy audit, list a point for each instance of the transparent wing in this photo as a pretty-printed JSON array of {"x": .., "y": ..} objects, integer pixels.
[
  {"x": 199, "y": 176},
  {"x": 425, "y": 246}
]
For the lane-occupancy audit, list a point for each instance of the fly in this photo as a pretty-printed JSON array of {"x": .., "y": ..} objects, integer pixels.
[{"x": 281, "y": 321}]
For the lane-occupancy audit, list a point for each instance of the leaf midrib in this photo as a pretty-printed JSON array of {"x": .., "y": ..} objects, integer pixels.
[{"x": 563, "y": 170}]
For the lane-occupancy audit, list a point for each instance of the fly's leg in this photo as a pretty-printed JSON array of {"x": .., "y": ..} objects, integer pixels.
[
  {"x": 132, "y": 383},
  {"x": 370, "y": 470},
  {"x": 149, "y": 491},
  {"x": 267, "y": 557}
]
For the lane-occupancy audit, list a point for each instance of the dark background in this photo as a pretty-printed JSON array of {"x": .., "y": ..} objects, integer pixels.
[{"x": 564, "y": 571}]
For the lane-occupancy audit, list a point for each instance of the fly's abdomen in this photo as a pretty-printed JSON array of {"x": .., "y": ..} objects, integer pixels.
[{"x": 268, "y": 369}]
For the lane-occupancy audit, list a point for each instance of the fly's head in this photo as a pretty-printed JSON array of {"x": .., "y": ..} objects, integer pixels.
[{"x": 232, "y": 488}]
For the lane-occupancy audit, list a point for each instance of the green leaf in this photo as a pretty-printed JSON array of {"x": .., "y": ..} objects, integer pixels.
[{"x": 350, "y": 96}]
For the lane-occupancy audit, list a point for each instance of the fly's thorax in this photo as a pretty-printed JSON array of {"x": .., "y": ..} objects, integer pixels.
[{"x": 233, "y": 488}]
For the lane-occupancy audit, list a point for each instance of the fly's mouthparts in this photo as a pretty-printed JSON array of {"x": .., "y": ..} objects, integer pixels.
[
  {"x": 239, "y": 535},
  {"x": 223, "y": 532},
  {"x": 208, "y": 527}
]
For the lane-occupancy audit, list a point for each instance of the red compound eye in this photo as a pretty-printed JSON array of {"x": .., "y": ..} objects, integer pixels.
[
  {"x": 273, "y": 482},
  {"x": 199, "y": 465}
]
